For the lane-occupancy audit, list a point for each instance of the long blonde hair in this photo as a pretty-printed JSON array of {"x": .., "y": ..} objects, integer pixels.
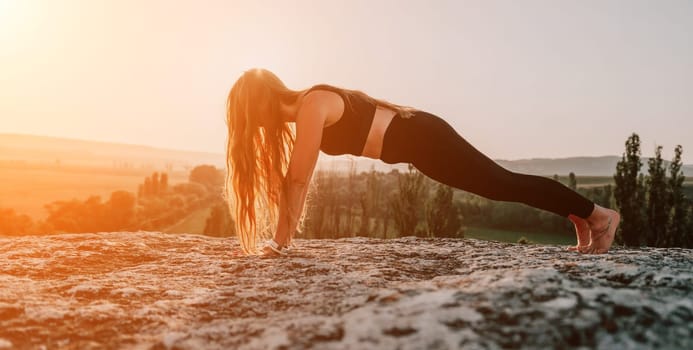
[{"x": 258, "y": 148}]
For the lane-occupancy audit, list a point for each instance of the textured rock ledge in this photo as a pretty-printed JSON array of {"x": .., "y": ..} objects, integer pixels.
[{"x": 152, "y": 290}]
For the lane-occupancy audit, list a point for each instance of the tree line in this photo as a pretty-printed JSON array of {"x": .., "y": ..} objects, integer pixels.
[
  {"x": 155, "y": 206},
  {"x": 654, "y": 208},
  {"x": 394, "y": 204},
  {"x": 378, "y": 204}
]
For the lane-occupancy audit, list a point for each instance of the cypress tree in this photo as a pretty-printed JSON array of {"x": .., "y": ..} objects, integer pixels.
[
  {"x": 147, "y": 189},
  {"x": 678, "y": 206},
  {"x": 155, "y": 184},
  {"x": 370, "y": 202},
  {"x": 219, "y": 222},
  {"x": 629, "y": 194},
  {"x": 657, "y": 203},
  {"x": 572, "y": 181},
  {"x": 163, "y": 183},
  {"x": 406, "y": 203},
  {"x": 688, "y": 232},
  {"x": 442, "y": 216}
]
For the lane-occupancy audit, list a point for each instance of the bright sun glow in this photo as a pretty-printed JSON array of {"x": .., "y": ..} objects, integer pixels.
[
  {"x": 8, "y": 13},
  {"x": 13, "y": 16}
]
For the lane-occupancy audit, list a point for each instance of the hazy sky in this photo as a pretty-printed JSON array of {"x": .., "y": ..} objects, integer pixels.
[{"x": 518, "y": 79}]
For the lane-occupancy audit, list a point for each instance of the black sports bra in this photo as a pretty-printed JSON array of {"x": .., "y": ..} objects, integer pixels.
[{"x": 348, "y": 135}]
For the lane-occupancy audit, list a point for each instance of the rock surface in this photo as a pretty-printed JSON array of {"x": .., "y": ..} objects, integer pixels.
[{"x": 152, "y": 290}]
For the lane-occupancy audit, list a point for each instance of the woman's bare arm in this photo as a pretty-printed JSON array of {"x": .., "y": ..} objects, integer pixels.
[{"x": 310, "y": 120}]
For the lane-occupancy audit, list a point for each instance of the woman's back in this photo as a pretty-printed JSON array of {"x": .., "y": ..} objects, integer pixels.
[{"x": 349, "y": 133}]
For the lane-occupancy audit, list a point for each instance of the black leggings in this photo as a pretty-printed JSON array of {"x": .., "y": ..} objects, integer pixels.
[{"x": 430, "y": 144}]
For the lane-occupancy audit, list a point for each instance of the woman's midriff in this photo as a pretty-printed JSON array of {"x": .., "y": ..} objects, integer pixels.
[{"x": 374, "y": 142}]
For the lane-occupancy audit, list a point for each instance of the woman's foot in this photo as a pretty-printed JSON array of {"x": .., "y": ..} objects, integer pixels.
[
  {"x": 603, "y": 223},
  {"x": 582, "y": 231}
]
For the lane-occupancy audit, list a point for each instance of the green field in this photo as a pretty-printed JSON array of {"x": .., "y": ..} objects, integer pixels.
[
  {"x": 592, "y": 181},
  {"x": 512, "y": 236},
  {"x": 589, "y": 181}
]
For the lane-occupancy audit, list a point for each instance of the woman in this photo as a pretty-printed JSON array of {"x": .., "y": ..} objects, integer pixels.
[{"x": 269, "y": 166}]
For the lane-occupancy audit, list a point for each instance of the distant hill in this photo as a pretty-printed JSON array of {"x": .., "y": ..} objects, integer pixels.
[
  {"x": 15, "y": 148},
  {"x": 32, "y": 149},
  {"x": 581, "y": 166}
]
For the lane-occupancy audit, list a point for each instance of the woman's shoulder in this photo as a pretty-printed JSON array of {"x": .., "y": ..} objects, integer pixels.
[
  {"x": 331, "y": 97},
  {"x": 325, "y": 87}
]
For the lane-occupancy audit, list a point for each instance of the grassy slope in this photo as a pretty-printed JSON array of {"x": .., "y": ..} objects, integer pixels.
[
  {"x": 513, "y": 236},
  {"x": 193, "y": 223}
]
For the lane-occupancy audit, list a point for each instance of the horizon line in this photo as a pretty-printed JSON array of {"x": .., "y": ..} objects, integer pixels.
[{"x": 163, "y": 148}]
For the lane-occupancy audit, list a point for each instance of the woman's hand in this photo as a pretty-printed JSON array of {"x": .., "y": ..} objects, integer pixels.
[
  {"x": 268, "y": 252},
  {"x": 273, "y": 249}
]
